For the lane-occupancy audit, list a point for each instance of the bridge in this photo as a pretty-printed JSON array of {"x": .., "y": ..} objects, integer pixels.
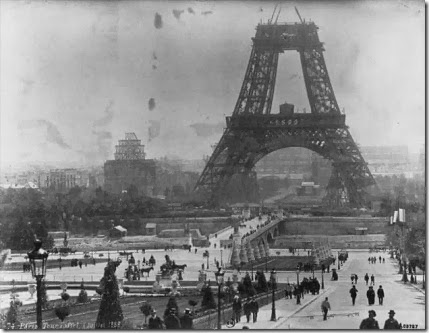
[{"x": 255, "y": 245}]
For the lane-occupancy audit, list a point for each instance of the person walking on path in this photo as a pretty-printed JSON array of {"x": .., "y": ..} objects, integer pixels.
[
  {"x": 236, "y": 307},
  {"x": 370, "y": 294},
  {"x": 380, "y": 294},
  {"x": 352, "y": 277},
  {"x": 391, "y": 323},
  {"x": 325, "y": 308},
  {"x": 369, "y": 323},
  {"x": 379, "y": 258},
  {"x": 247, "y": 310},
  {"x": 366, "y": 278},
  {"x": 356, "y": 278},
  {"x": 155, "y": 323},
  {"x": 186, "y": 322},
  {"x": 372, "y": 280},
  {"x": 353, "y": 294},
  {"x": 171, "y": 321},
  {"x": 254, "y": 306},
  {"x": 383, "y": 261}
]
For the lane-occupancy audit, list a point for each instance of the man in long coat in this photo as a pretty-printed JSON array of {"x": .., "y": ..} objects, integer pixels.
[
  {"x": 353, "y": 294},
  {"x": 370, "y": 294},
  {"x": 380, "y": 294},
  {"x": 369, "y": 323}
]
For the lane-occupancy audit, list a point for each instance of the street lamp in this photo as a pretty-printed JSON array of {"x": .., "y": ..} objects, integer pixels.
[
  {"x": 273, "y": 286},
  {"x": 297, "y": 274},
  {"x": 338, "y": 258},
  {"x": 323, "y": 282},
  {"x": 38, "y": 259},
  {"x": 219, "y": 280}
]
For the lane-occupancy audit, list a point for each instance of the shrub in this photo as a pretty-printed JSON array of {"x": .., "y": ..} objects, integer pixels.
[
  {"x": 62, "y": 312},
  {"x": 82, "y": 297}
]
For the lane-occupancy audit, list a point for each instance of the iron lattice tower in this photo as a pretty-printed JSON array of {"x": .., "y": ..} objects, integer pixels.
[
  {"x": 130, "y": 148},
  {"x": 252, "y": 131}
]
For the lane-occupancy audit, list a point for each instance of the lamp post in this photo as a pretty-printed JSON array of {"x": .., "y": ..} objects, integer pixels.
[
  {"x": 266, "y": 263},
  {"x": 323, "y": 282},
  {"x": 273, "y": 286},
  {"x": 38, "y": 258},
  {"x": 297, "y": 275},
  {"x": 338, "y": 258},
  {"x": 221, "y": 259},
  {"x": 219, "y": 280},
  {"x": 208, "y": 256}
]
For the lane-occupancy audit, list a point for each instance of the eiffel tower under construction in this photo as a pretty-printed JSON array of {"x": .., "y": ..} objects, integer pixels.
[{"x": 253, "y": 132}]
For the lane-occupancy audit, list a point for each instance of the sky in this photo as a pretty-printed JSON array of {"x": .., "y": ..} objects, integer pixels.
[{"x": 77, "y": 75}]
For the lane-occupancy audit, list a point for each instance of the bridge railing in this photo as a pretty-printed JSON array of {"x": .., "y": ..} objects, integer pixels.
[{"x": 261, "y": 230}]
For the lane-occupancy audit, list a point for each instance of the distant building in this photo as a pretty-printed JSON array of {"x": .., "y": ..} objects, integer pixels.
[
  {"x": 60, "y": 179},
  {"x": 117, "y": 232},
  {"x": 130, "y": 168}
]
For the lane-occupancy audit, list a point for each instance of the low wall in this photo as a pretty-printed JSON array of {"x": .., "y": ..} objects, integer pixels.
[
  {"x": 328, "y": 225},
  {"x": 340, "y": 241}
]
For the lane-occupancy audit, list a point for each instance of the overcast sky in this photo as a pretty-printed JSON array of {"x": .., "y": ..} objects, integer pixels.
[{"x": 77, "y": 75}]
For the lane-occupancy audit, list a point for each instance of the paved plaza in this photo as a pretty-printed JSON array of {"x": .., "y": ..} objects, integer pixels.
[{"x": 408, "y": 301}]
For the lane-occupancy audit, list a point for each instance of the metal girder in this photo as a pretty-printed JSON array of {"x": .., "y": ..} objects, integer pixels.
[{"x": 252, "y": 132}]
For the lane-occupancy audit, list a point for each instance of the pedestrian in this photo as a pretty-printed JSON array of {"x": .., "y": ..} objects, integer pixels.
[
  {"x": 171, "y": 321},
  {"x": 372, "y": 280},
  {"x": 236, "y": 307},
  {"x": 366, "y": 278},
  {"x": 325, "y": 308},
  {"x": 370, "y": 294},
  {"x": 80, "y": 264},
  {"x": 186, "y": 322},
  {"x": 353, "y": 294},
  {"x": 369, "y": 260},
  {"x": 356, "y": 278},
  {"x": 195, "y": 250},
  {"x": 369, "y": 323},
  {"x": 254, "y": 306},
  {"x": 352, "y": 277},
  {"x": 383, "y": 261},
  {"x": 246, "y": 309},
  {"x": 380, "y": 294},
  {"x": 391, "y": 323},
  {"x": 155, "y": 323},
  {"x": 298, "y": 295},
  {"x": 379, "y": 258}
]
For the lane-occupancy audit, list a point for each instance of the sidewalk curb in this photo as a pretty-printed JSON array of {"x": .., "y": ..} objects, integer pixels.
[{"x": 276, "y": 326}]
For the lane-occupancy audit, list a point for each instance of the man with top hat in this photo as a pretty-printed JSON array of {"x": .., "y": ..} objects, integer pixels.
[
  {"x": 186, "y": 320},
  {"x": 391, "y": 323},
  {"x": 370, "y": 294},
  {"x": 155, "y": 323},
  {"x": 254, "y": 306},
  {"x": 171, "y": 321},
  {"x": 369, "y": 323},
  {"x": 380, "y": 294},
  {"x": 353, "y": 294}
]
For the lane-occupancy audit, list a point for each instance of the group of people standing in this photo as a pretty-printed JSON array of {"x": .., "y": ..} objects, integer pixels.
[
  {"x": 373, "y": 260},
  {"x": 370, "y": 323},
  {"x": 171, "y": 321}
]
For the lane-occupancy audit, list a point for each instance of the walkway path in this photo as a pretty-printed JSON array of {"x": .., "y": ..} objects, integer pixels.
[{"x": 406, "y": 300}]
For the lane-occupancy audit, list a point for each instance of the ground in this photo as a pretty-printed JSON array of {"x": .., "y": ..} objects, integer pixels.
[{"x": 407, "y": 301}]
